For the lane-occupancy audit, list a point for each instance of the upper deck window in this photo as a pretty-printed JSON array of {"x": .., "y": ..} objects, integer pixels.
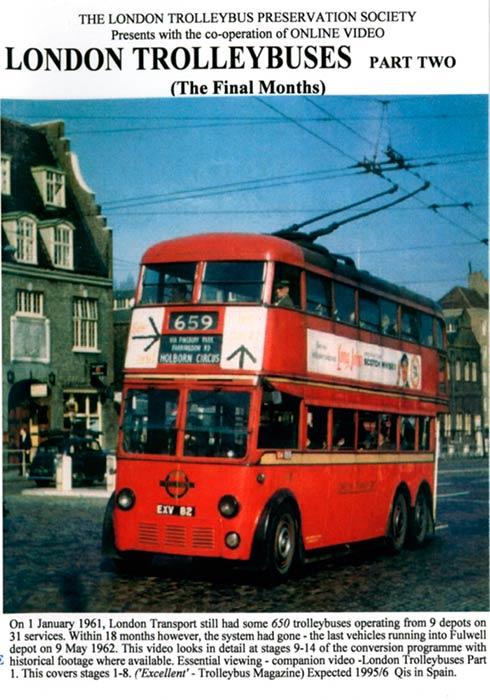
[
  {"x": 171, "y": 283},
  {"x": 426, "y": 329},
  {"x": 345, "y": 305},
  {"x": 410, "y": 325},
  {"x": 232, "y": 282},
  {"x": 318, "y": 295},
  {"x": 389, "y": 317},
  {"x": 368, "y": 312},
  {"x": 287, "y": 286},
  {"x": 440, "y": 334}
]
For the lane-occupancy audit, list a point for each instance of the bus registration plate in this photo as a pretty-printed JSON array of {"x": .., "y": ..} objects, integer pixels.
[{"x": 185, "y": 511}]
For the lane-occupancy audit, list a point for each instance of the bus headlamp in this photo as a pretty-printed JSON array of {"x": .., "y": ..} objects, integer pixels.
[
  {"x": 232, "y": 540},
  {"x": 125, "y": 499},
  {"x": 228, "y": 506}
]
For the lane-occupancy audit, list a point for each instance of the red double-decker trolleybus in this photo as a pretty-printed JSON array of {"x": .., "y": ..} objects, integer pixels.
[{"x": 277, "y": 402}]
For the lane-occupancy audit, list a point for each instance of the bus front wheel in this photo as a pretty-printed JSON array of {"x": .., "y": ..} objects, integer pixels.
[
  {"x": 398, "y": 524},
  {"x": 281, "y": 544}
]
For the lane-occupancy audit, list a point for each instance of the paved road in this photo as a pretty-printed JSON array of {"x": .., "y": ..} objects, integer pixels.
[{"x": 53, "y": 563}]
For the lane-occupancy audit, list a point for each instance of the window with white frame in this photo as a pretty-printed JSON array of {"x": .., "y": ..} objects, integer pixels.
[
  {"x": 63, "y": 247},
  {"x": 26, "y": 244},
  {"x": 467, "y": 423},
  {"x": 122, "y": 303},
  {"x": 457, "y": 368},
  {"x": 55, "y": 188},
  {"x": 51, "y": 185},
  {"x": 474, "y": 372},
  {"x": 29, "y": 329},
  {"x": 85, "y": 324},
  {"x": 467, "y": 371},
  {"x": 6, "y": 183},
  {"x": 447, "y": 424},
  {"x": 29, "y": 303},
  {"x": 82, "y": 410}
]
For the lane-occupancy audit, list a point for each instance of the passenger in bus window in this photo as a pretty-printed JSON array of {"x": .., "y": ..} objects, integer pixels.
[
  {"x": 387, "y": 435},
  {"x": 389, "y": 313},
  {"x": 407, "y": 433},
  {"x": 179, "y": 293},
  {"x": 368, "y": 434},
  {"x": 343, "y": 429},
  {"x": 388, "y": 327},
  {"x": 281, "y": 294},
  {"x": 316, "y": 428}
]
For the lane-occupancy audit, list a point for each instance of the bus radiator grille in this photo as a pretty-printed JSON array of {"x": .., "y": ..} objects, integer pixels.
[
  {"x": 174, "y": 535},
  {"x": 203, "y": 538},
  {"x": 148, "y": 533},
  {"x": 200, "y": 537}
]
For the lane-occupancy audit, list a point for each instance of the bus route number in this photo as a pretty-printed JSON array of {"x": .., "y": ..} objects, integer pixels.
[{"x": 194, "y": 322}]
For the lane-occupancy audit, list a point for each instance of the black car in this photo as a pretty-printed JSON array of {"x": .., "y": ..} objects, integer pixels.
[{"x": 88, "y": 460}]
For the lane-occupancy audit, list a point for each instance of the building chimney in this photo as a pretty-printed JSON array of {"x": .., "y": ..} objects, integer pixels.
[{"x": 478, "y": 282}]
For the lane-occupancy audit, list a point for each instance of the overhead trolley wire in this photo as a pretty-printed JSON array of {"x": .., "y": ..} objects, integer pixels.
[
  {"x": 304, "y": 128},
  {"x": 217, "y": 190}
]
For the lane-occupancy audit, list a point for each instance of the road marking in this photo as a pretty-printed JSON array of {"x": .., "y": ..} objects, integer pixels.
[
  {"x": 449, "y": 472},
  {"x": 453, "y": 495},
  {"x": 442, "y": 527}
]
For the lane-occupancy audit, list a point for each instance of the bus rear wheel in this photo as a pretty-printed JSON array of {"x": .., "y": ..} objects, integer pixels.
[
  {"x": 420, "y": 523},
  {"x": 281, "y": 544},
  {"x": 398, "y": 525}
]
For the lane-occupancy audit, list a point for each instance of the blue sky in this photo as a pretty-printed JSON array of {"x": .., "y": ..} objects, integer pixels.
[{"x": 163, "y": 168}]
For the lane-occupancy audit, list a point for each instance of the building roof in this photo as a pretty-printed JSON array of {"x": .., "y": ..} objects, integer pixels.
[
  {"x": 464, "y": 336},
  {"x": 464, "y": 298},
  {"x": 29, "y": 147}
]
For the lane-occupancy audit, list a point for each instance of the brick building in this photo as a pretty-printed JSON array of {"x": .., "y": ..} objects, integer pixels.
[
  {"x": 466, "y": 313},
  {"x": 462, "y": 432},
  {"x": 57, "y": 290}
]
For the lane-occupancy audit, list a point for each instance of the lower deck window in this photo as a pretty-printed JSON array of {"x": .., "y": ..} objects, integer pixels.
[
  {"x": 368, "y": 432},
  {"x": 149, "y": 423},
  {"x": 424, "y": 433},
  {"x": 337, "y": 429},
  {"x": 407, "y": 433},
  {"x": 344, "y": 429},
  {"x": 316, "y": 428},
  {"x": 216, "y": 424},
  {"x": 279, "y": 421}
]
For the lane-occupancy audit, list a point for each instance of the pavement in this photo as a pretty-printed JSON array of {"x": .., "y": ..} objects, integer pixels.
[{"x": 13, "y": 482}]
